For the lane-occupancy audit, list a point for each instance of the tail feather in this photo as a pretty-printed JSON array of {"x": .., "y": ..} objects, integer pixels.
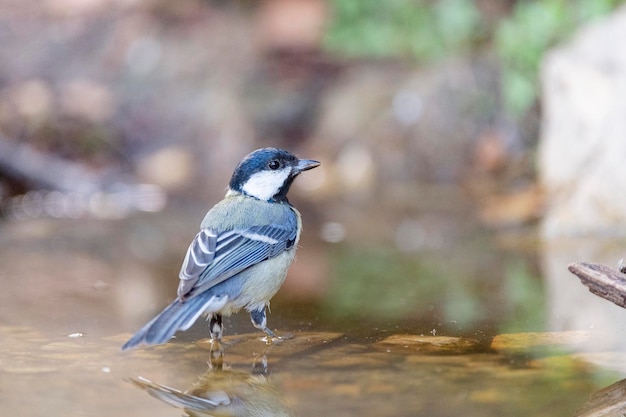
[{"x": 179, "y": 315}]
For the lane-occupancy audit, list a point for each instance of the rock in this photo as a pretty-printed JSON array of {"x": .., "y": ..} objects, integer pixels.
[
  {"x": 254, "y": 342},
  {"x": 582, "y": 146},
  {"x": 540, "y": 342},
  {"x": 580, "y": 162},
  {"x": 408, "y": 343}
]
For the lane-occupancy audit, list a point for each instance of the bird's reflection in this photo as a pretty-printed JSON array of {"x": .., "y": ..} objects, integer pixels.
[{"x": 224, "y": 392}]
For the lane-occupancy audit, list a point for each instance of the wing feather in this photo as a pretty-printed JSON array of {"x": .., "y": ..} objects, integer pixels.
[
  {"x": 212, "y": 258},
  {"x": 199, "y": 256}
]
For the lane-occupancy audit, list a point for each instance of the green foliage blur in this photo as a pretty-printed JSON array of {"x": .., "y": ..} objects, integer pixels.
[
  {"x": 422, "y": 29},
  {"x": 431, "y": 30},
  {"x": 533, "y": 27},
  {"x": 382, "y": 283},
  {"x": 471, "y": 286}
]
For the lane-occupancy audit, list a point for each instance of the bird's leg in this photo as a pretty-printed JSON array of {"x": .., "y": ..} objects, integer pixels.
[
  {"x": 259, "y": 320},
  {"x": 216, "y": 327}
]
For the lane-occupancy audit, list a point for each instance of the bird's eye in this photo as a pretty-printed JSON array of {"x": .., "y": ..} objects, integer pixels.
[{"x": 274, "y": 165}]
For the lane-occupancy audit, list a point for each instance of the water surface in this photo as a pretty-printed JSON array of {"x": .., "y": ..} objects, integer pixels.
[{"x": 438, "y": 342}]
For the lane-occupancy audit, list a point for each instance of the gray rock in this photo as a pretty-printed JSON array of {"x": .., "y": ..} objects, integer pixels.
[{"x": 583, "y": 141}]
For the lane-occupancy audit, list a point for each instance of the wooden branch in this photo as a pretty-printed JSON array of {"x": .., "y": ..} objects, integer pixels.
[{"x": 602, "y": 281}]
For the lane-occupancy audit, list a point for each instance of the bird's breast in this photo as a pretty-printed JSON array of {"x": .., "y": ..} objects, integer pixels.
[{"x": 262, "y": 281}]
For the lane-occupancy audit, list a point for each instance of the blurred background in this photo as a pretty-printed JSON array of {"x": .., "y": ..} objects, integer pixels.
[{"x": 470, "y": 150}]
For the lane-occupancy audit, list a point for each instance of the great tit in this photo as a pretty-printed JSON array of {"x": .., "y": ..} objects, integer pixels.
[{"x": 240, "y": 257}]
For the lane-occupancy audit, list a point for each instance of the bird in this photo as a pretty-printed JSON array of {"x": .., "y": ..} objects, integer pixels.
[{"x": 240, "y": 257}]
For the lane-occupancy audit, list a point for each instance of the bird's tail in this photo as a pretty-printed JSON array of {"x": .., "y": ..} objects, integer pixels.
[{"x": 179, "y": 315}]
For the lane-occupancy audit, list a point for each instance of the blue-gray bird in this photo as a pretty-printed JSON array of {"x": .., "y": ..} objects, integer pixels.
[{"x": 240, "y": 257}]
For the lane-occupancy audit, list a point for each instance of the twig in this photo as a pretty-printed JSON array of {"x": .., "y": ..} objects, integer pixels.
[{"x": 602, "y": 281}]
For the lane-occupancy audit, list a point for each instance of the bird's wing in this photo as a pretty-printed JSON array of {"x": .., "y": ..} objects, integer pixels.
[
  {"x": 200, "y": 254},
  {"x": 213, "y": 258}
]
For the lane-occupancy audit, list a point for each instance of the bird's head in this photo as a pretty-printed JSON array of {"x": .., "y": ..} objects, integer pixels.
[{"x": 267, "y": 174}]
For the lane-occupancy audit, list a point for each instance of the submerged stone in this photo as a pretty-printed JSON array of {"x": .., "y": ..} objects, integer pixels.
[
  {"x": 257, "y": 342},
  {"x": 539, "y": 342},
  {"x": 407, "y": 343}
]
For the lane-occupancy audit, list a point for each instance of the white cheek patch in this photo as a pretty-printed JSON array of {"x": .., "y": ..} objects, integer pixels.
[{"x": 265, "y": 184}]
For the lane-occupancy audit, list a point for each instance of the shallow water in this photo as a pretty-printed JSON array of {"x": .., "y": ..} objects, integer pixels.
[
  {"x": 311, "y": 374},
  {"x": 72, "y": 295}
]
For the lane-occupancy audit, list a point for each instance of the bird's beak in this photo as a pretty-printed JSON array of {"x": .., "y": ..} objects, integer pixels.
[{"x": 306, "y": 164}]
